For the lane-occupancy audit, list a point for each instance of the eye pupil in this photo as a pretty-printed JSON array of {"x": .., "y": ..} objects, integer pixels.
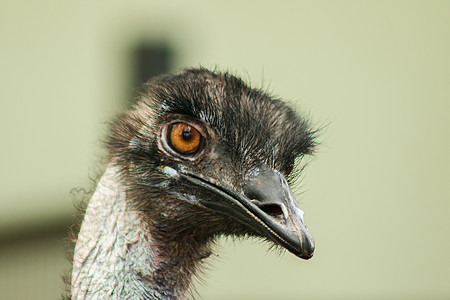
[{"x": 187, "y": 135}]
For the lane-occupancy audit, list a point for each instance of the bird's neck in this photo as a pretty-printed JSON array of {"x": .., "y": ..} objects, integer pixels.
[{"x": 117, "y": 257}]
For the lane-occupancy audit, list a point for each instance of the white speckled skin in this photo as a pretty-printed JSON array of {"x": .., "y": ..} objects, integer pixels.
[{"x": 113, "y": 256}]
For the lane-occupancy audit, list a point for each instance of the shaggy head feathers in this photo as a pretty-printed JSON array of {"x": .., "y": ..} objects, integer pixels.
[{"x": 257, "y": 127}]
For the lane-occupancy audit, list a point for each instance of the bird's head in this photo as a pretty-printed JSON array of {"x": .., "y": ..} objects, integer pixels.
[{"x": 204, "y": 150}]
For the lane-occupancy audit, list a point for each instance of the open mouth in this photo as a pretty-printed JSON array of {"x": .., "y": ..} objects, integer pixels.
[{"x": 273, "y": 212}]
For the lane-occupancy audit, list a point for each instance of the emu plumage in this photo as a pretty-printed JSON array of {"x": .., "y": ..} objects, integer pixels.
[{"x": 200, "y": 155}]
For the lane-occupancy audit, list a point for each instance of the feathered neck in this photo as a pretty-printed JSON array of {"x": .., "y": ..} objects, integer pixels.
[{"x": 116, "y": 256}]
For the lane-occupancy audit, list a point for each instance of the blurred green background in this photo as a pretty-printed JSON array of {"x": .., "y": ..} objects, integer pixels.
[{"x": 377, "y": 195}]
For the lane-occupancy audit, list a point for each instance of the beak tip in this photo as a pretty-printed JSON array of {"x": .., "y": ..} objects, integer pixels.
[
  {"x": 308, "y": 246},
  {"x": 307, "y": 253},
  {"x": 307, "y": 257}
]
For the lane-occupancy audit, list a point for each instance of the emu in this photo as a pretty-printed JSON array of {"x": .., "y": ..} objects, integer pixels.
[{"x": 200, "y": 155}]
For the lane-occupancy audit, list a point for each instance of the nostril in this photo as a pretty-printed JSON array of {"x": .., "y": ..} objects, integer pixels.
[
  {"x": 266, "y": 198},
  {"x": 272, "y": 209}
]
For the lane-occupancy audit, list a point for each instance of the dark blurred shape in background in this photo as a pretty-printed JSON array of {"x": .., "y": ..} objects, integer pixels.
[{"x": 151, "y": 60}]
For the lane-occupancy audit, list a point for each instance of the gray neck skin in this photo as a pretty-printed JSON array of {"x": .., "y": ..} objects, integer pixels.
[{"x": 114, "y": 257}]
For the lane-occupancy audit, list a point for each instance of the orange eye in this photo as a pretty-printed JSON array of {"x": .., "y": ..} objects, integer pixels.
[{"x": 183, "y": 138}]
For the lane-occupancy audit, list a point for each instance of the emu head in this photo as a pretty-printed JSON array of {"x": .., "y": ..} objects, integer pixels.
[
  {"x": 201, "y": 155},
  {"x": 204, "y": 151}
]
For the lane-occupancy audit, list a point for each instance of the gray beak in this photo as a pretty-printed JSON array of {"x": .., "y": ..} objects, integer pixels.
[
  {"x": 276, "y": 206},
  {"x": 267, "y": 205}
]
